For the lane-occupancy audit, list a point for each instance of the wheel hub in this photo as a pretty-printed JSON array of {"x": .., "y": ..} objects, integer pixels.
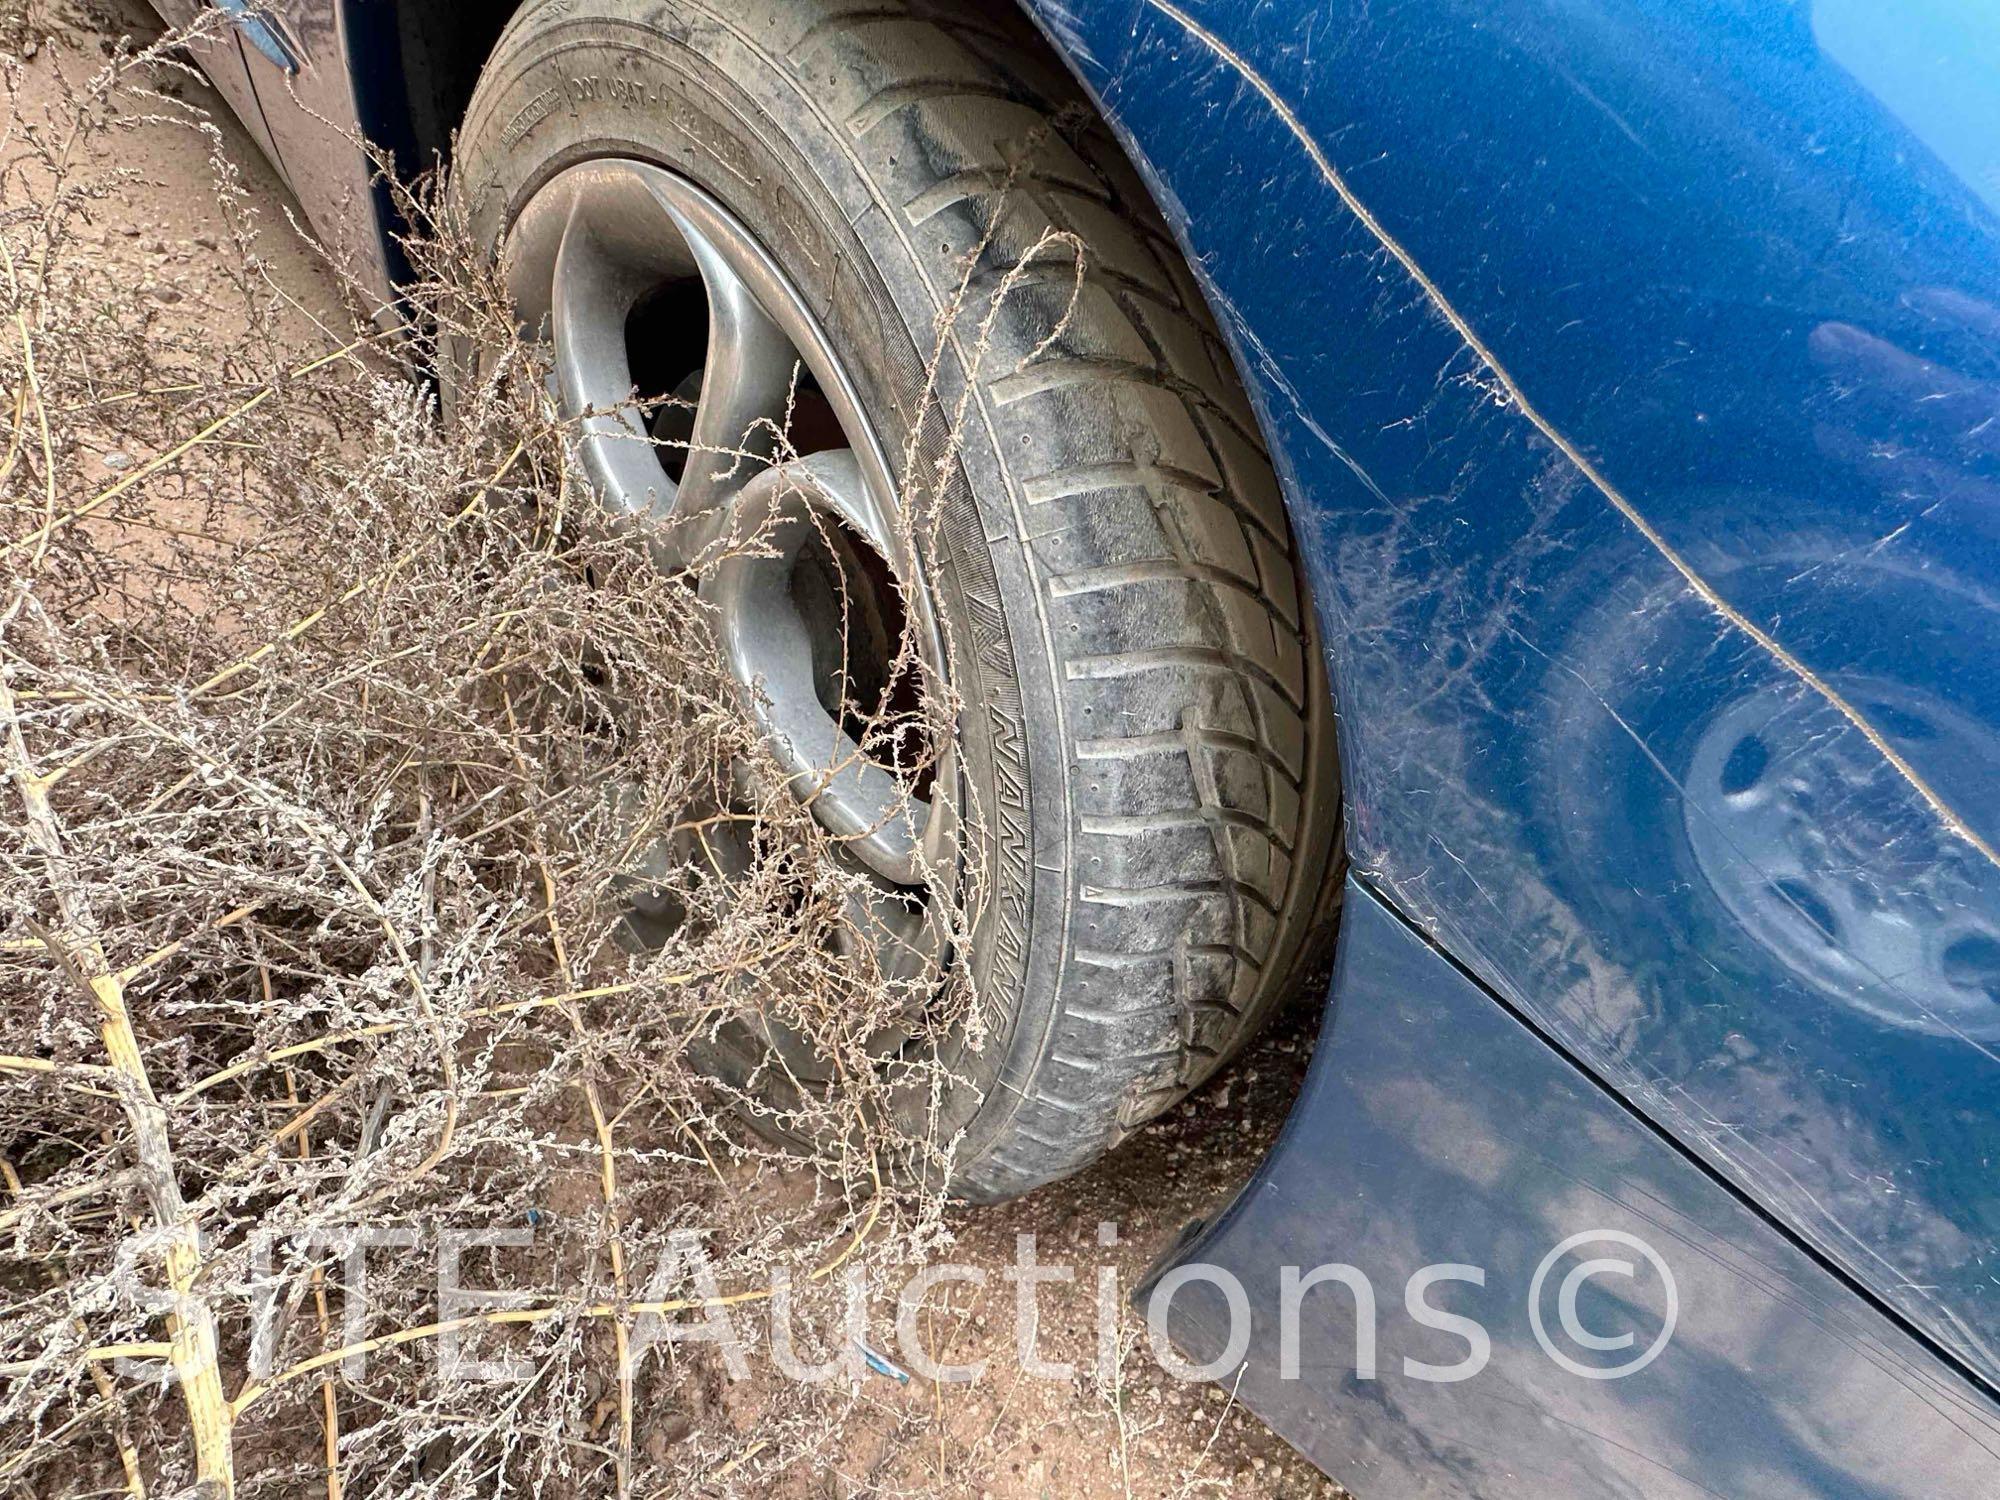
[{"x": 592, "y": 251}]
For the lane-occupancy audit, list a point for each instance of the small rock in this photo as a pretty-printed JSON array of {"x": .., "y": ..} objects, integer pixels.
[{"x": 116, "y": 460}]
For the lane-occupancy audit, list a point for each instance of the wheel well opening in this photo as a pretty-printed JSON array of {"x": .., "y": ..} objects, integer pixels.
[{"x": 414, "y": 68}]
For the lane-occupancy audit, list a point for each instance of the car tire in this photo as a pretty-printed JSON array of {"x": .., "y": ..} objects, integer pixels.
[{"x": 1147, "y": 722}]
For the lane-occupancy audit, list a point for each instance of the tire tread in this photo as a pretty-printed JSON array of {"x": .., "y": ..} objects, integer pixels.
[{"x": 1201, "y": 608}]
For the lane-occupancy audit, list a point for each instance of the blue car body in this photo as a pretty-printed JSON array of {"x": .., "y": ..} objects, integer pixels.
[{"x": 1632, "y": 368}]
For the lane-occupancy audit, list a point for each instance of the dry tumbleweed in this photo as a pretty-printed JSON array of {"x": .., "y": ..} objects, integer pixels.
[{"x": 384, "y": 844}]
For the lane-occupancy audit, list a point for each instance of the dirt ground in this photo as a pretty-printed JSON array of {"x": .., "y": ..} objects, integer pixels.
[{"x": 1003, "y": 1435}]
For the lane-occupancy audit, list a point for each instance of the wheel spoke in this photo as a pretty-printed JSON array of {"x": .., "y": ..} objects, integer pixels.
[
  {"x": 902, "y": 936},
  {"x": 769, "y": 647},
  {"x": 592, "y": 295},
  {"x": 744, "y": 388}
]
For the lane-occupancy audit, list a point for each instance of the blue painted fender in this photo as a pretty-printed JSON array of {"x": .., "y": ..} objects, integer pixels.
[
  {"x": 1502, "y": 1284},
  {"x": 1633, "y": 369}
]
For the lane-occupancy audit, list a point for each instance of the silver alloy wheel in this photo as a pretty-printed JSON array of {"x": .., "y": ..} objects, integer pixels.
[{"x": 586, "y": 250}]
